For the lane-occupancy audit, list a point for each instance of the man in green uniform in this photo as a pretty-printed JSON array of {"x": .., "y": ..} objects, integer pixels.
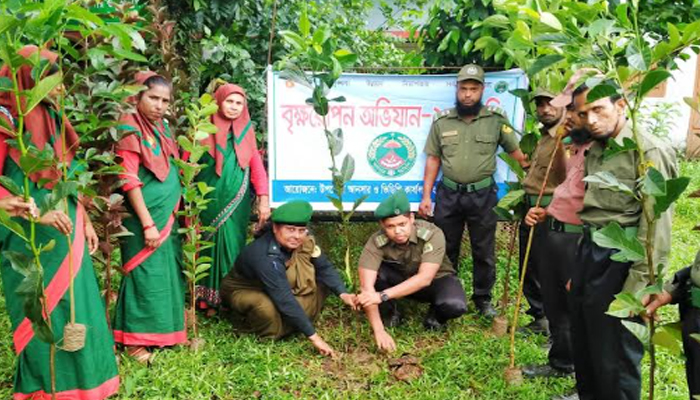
[
  {"x": 552, "y": 119},
  {"x": 606, "y": 355},
  {"x": 406, "y": 258},
  {"x": 462, "y": 143},
  {"x": 280, "y": 280}
]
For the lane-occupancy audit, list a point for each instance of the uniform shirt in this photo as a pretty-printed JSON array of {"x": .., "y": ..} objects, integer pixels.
[
  {"x": 540, "y": 161},
  {"x": 567, "y": 199},
  {"x": 425, "y": 245},
  {"x": 264, "y": 260},
  {"x": 467, "y": 150},
  {"x": 602, "y": 206}
]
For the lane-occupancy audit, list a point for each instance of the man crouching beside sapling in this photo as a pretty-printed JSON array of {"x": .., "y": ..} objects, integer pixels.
[{"x": 406, "y": 258}]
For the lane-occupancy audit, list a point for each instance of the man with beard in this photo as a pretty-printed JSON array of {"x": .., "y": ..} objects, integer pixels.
[
  {"x": 462, "y": 142},
  {"x": 556, "y": 253},
  {"x": 552, "y": 119},
  {"x": 607, "y": 355}
]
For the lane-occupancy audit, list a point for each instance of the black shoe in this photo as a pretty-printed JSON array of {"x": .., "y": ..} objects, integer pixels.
[
  {"x": 570, "y": 396},
  {"x": 391, "y": 316},
  {"x": 431, "y": 322},
  {"x": 545, "y": 371},
  {"x": 485, "y": 309},
  {"x": 538, "y": 326}
]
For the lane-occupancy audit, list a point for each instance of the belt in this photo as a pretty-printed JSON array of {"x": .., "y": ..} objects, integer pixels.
[
  {"x": 532, "y": 200},
  {"x": 629, "y": 230},
  {"x": 558, "y": 226},
  {"x": 467, "y": 187}
]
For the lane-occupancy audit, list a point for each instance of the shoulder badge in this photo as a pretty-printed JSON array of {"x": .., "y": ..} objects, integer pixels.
[
  {"x": 424, "y": 233},
  {"x": 441, "y": 114},
  {"x": 427, "y": 248},
  {"x": 505, "y": 128},
  {"x": 497, "y": 110},
  {"x": 316, "y": 253},
  {"x": 381, "y": 240}
]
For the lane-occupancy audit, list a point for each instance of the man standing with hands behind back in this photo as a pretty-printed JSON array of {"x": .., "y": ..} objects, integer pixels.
[{"x": 462, "y": 143}]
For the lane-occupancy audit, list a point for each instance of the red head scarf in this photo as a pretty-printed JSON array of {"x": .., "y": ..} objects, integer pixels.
[
  {"x": 154, "y": 151},
  {"x": 242, "y": 128},
  {"x": 39, "y": 122}
]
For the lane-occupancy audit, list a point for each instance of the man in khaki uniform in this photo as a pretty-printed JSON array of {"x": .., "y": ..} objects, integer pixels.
[
  {"x": 606, "y": 355},
  {"x": 552, "y": 119},
  {"x": 406, "y": 258},
  {"x": 462, "y": 143}
]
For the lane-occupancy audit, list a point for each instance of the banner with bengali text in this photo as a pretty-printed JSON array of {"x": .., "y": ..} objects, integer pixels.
[{"x": 385, "y": 121}]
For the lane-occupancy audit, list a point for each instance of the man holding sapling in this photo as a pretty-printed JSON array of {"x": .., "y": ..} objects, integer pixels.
[
  {"x": 607, "y": 355},
  {"x": 406, "y": 258},
  {"x": 556, "y": 254},
  {"x": 548, "y": 147},
  {"x": 462, "y": 143}
]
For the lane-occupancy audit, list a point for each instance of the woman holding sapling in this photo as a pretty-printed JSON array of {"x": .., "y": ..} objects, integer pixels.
[
  {"x": 85, "y": 365},
  {"x": 150, "y": 311},
  {"x": 232, "y": 164}
]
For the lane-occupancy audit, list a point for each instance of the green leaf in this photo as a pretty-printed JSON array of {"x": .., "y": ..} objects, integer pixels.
[
  {"x": 607, "y": 180},
  {"x": 674, "y": 188},
  {"x": 41, "y": 90},
  {"x": 304, "y": 24},
  {"x": 550, "y": 20},
  {"x": 359, "y": 201},
  {"x": 654, "y": 183},
  {"x": 511, "y": 199},
  {"x": 335, "y": 141},
  {"x": 497, "y": 20},
  {"x": 128, "y": 55},
  {"x": 600, "y": 91},
  {"x": 321, "y": 35},
  {"x": 19, "y": 262},
  {"x": 14, "y": 226},
  {"x": 637, "y": 58},
  {"x": 613, "y": 148},
  {"x": 293, "y": 39},
  {"x": 612, "y": 236},
  {"x": 640, "y": 331},
  {"x": 621, "y": 12},
  {"x": 625, "y": 305},
  {"x": 503, "y": 214},
  {"x": 668, "y": 337},
  {"x": 674, "y": 36},
  {"x": 11, "y": 186},
  {"x": 653, "y": 79},
  {"x": 513, "y": 165},
  {"x": 336, "y": 202},
  {"x": 347, "y": 170},
  {"x": 83, "y": 15},
  {"x": 42, "y": 331},
  {"x": 544, "y": 62}
]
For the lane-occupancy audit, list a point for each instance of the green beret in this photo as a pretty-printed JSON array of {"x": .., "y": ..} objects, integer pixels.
[
  {"x": 296, "y": 212},
  {"x": 396, "y": 204}
]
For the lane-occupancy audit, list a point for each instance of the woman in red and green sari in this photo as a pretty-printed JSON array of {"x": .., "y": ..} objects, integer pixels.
[
  {"x": 233, "y": 163},
  {"x": 91, "y": 372},
  {"x": 150, "y": 311}
]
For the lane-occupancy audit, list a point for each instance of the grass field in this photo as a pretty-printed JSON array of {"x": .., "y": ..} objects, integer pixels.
[{"x": 466, "y": 362}]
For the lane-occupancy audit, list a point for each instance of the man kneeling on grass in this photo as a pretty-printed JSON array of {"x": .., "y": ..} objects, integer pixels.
[
  {"x": 406, "y": 258},
  {"x": 280, "y": 280}
]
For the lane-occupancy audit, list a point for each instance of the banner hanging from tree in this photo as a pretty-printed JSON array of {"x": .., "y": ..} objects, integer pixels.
[{"x": 385, "y": 121}]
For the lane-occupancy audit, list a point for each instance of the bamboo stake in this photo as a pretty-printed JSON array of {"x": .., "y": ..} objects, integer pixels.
[{"x": 512, "y": 376}]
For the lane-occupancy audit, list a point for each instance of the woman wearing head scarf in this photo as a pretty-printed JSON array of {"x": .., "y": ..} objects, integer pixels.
[
  {"x": 232, "y": 164},
  {"x": 150, "y": 311},
  {"x": 91, "y": 372}
]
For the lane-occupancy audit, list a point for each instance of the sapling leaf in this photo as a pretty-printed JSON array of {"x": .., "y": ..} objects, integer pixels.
[
  {"x": 640, "y": 331},
  {"x": 513, "y": 165},
  {"x": 347, "y": 170},
  {"x": 674, "y": 189},
  {"x": 653, "y": 79},
  {"x": 625, "y": 305},
  {"x": 40, "y": 91},
  {"x": 14, "y": 226},
  {"x": 359, "y": 201},
  {"x": 544, "y": 62},
  {"x": 19, "y": 262},
  {"x": 613, "y": 148},
  {"x": 668, "y": 338},
  {"x": 42, "y": 331},
  {"x": 612, "y": 236},
  {"x": 503, "y": 214},
  {"x": 511, "y": 199},
  {"x": 654, "y": 183},
  {"x": 609, "y": 181},
  {"x": 600, "y": 91}
]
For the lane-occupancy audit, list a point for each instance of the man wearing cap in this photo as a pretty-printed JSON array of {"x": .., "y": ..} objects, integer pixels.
[
  {"x": 607, "y": 355},
  {"x": 556, "y": 251},
  {"x": 406, "y": 258},
  {"x": 551, "y": 118},
  {"x": 280, "y": 280},
  {"x": 462, "y": 143}
]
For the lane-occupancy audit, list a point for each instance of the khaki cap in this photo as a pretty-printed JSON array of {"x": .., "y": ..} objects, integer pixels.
[
  {"x": 542, "y": 92},
  {"x": 471, "y": 72}
]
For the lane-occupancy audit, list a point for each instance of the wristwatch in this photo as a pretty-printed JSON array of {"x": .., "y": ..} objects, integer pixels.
[{"x": 383, "y": 296}]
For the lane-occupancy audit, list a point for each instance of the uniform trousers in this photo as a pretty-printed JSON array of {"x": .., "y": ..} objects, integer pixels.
[
  {"x": 690, "y": 319},
  {"x": 455, "y": 208},
  {"x": 607, "y": 356},
  {"x": 556, "y": 256},
  {"x": 532, "y": 286},
  {"x": 445, "y": 295}
]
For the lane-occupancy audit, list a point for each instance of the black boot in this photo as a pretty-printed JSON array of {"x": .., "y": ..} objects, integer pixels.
[
  {"x": 432, "y": 323},
  {"x": 545, "y": 371},
  {"x": 538, "y": 326},
  {"x": 485, "y": 308},
  {"x": 391, "y": 316}
]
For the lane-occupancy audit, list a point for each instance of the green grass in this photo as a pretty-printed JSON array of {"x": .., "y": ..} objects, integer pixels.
[{"x": 466, "y": 362}]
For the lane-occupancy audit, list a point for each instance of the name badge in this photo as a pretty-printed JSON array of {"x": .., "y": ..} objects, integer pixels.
[{"x": 449, "y": 134}]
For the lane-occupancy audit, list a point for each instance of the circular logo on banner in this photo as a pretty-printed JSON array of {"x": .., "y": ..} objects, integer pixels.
[
  {"x": 391, "y": 154},
  {"x": 501, "y": 86}
]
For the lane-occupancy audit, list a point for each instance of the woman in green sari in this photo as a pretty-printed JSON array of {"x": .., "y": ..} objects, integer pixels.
[
  {"x": 150, "y": 310},
  {"x": 89, "y": 373},
  {"x": 233, "y": 163}
]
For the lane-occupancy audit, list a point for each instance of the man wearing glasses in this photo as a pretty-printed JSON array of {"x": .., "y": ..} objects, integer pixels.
[{"x": 280, "y": 280}]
